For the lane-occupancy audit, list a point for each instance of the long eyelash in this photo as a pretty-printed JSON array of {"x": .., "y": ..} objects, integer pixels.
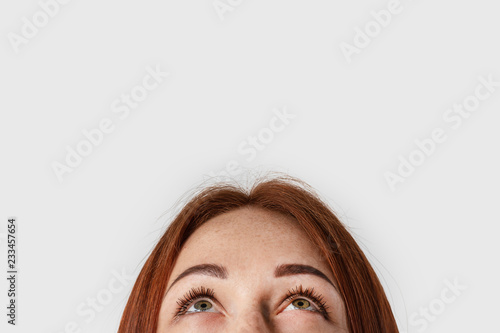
[
  {"x": 309, "y": 293},
  {"x": 190, "y": 296},
  {"x": 203, "y": 292}
]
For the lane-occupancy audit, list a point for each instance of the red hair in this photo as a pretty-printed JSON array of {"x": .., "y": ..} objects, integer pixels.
[{"x": 366, "y": 306}]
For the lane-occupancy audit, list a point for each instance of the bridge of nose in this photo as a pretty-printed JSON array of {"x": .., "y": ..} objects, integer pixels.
[{"x": 253, "y": 319}]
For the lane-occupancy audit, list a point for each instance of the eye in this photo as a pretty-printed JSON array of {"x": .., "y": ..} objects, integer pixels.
[
  {"x": 306, "y": 300},
  {"x": 196, "y": 300},
  {"x": 301, "y": 304},
  {"x": 201, "y": 306},
  {"x": 201, "y": 300}
]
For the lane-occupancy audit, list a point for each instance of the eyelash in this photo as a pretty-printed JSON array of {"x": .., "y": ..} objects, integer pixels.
[
  {"x": 309, "y": 293},
  {"x": 298, "y": 292},
  {"x": 192, "y": 295}
]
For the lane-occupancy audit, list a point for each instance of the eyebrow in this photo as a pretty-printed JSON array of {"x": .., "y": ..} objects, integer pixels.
[
  {"x": 220, "y": 272},
  {"x": 203, "y": 269},
  {"x": 294, "y": 269}
]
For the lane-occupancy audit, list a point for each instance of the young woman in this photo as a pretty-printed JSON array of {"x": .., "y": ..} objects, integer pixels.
[{"x": 274, "y": 258}]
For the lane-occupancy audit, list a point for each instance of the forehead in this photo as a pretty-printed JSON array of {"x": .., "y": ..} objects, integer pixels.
[
  {"x": 249, "y": 220},
  {"x": 247, "y": 237}
]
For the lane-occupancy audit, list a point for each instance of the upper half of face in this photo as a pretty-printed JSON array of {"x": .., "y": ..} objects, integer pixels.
[{"x": 249, "y": 295}]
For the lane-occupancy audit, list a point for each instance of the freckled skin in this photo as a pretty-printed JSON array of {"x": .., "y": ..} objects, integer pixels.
[{"x": 250, "y": 242}]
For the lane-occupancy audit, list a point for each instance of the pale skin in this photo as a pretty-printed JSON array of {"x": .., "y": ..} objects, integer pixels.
[{"x": 250, "y": 243}]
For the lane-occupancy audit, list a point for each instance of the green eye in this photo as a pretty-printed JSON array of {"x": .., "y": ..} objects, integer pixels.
[
  {"x": 301, "y": 303},
  {"x": 202, "y": 305}
]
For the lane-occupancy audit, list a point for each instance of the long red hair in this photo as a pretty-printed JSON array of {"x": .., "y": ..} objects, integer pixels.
[{"x": 366, "y": 305}]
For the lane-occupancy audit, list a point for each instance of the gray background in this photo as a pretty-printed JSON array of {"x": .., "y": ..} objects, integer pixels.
[{"x": 229, "y": 73}]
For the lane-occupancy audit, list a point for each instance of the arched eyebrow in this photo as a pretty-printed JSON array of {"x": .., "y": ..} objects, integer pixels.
[
  {"x": 294, "y": 269},
  {"x": 220, "y": 272},
  {"x": 214, "y": 270}
]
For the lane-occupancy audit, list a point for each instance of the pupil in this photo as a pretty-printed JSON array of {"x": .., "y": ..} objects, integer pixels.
[{"x": 203, "y": 305}]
